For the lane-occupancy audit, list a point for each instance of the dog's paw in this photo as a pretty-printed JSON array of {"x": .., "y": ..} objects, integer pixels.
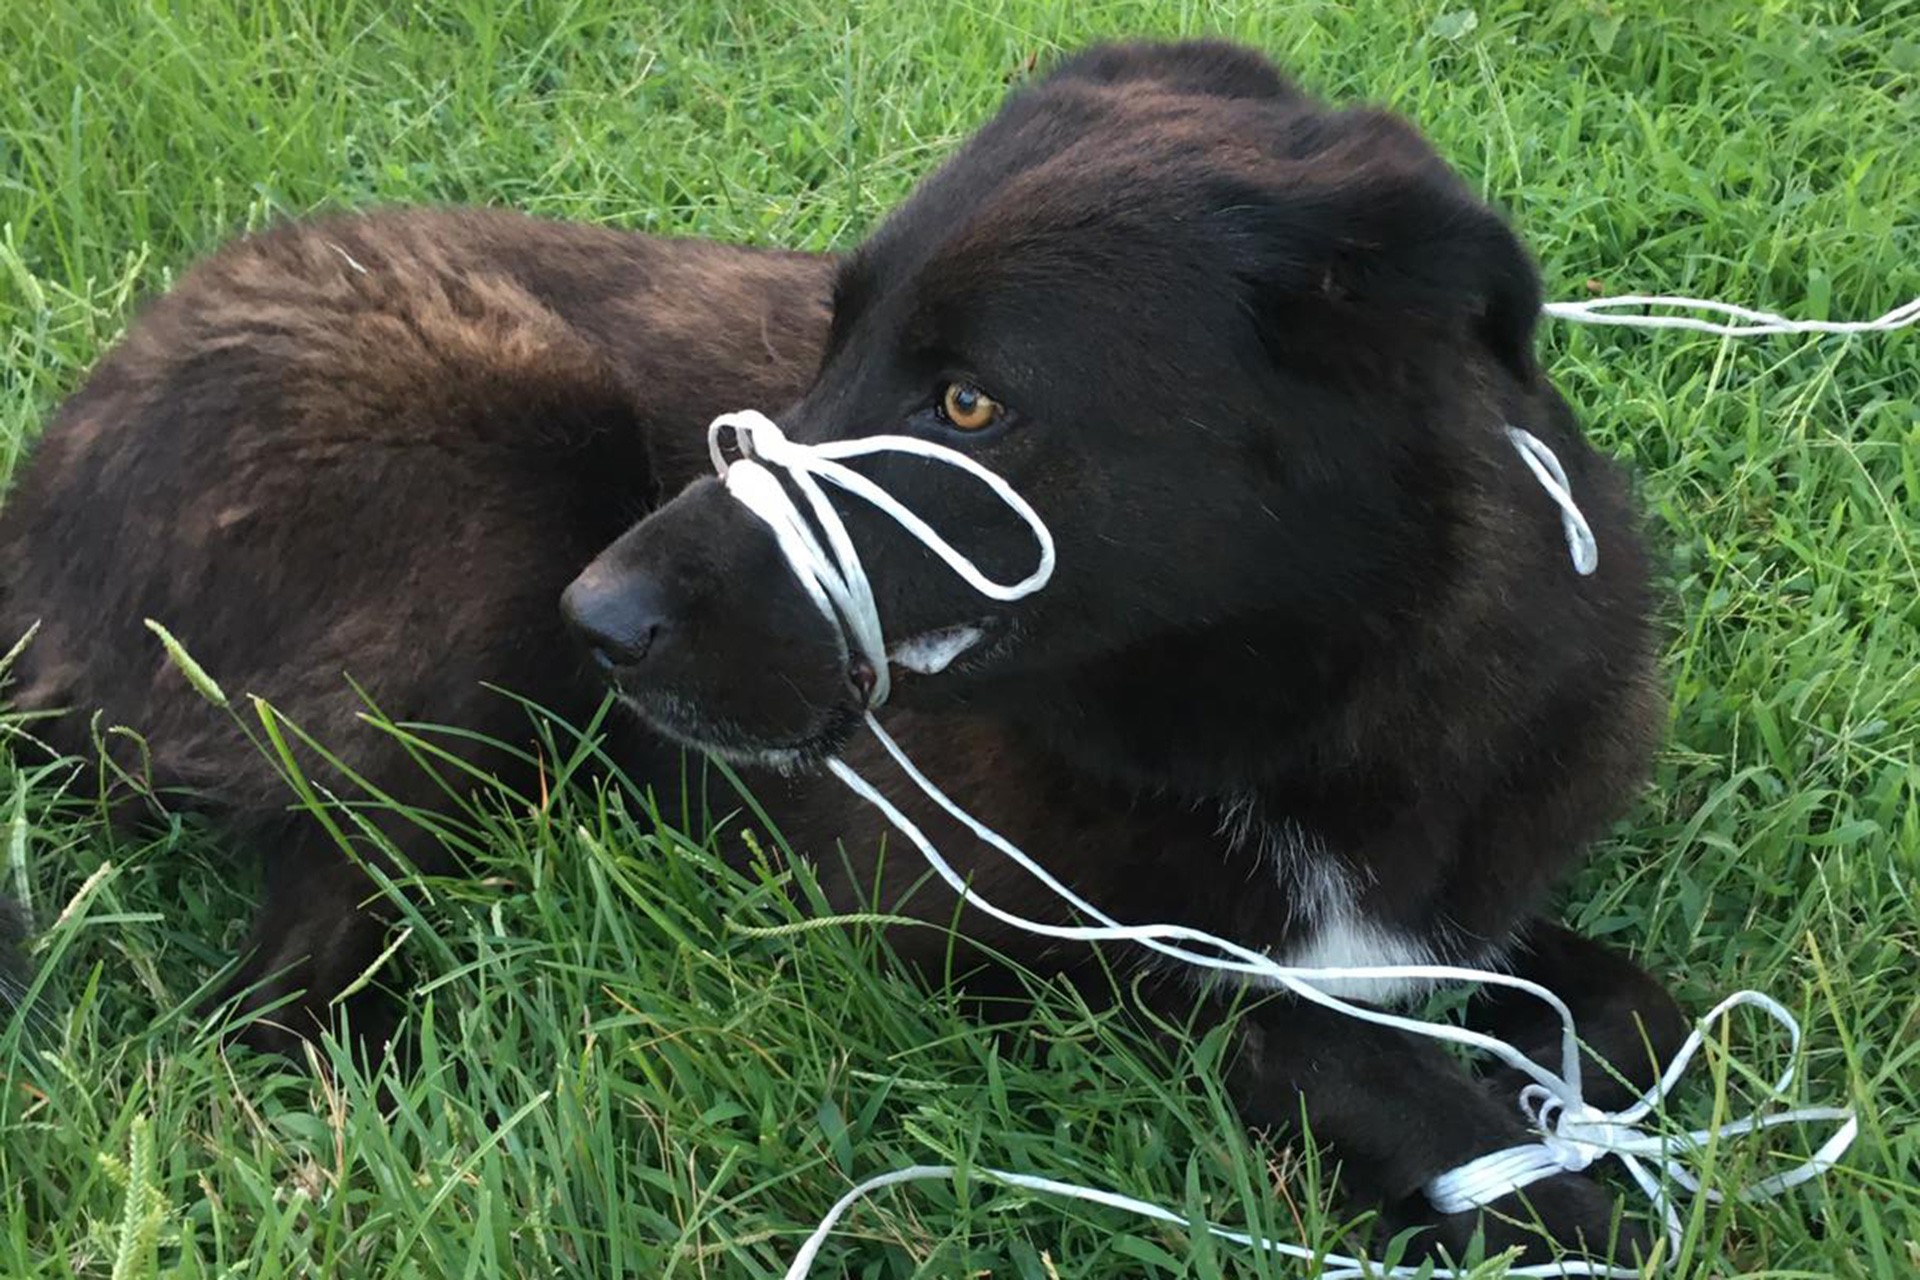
[{"x": 1566, "y": 1216}]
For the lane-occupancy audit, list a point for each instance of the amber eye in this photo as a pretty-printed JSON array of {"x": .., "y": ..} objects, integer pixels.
[{"x": 968, "y": 407}]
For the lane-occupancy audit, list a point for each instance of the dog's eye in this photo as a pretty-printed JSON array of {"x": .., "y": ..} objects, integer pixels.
[{"x": 968, "y": 407}]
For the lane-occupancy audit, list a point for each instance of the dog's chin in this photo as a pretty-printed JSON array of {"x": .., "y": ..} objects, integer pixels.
[
  {"x": 924, "y": 666},
  {"x": 680, "y": 721}
]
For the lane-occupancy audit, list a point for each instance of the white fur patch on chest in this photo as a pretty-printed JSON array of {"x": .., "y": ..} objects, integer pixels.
[
  {"x": 1327, "y": 927},
  {"x": 1338, "y": 936}
]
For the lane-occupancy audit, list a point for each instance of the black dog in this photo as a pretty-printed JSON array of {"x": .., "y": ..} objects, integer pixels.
[{"x": 1314, "y": 672}]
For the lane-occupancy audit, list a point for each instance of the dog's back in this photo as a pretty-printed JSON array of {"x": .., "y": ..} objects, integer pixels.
[{"x": 373, "y": 449}]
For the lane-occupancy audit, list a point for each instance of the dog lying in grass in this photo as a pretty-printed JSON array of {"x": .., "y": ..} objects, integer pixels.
[{"x": 1313, "y": 672}]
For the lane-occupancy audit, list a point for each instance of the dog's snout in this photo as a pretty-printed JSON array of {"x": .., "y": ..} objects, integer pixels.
[
  {"x": 620, "y": 616},
  {"x": 704, "y": 632}
]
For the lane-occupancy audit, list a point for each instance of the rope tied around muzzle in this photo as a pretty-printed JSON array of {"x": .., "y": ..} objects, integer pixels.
[
  {"x": 1572, "y": 1133},
  {"x": 832, "y": 575}
]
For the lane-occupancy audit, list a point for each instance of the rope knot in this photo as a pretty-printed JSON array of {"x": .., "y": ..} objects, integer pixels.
[
  {"x": 1575, "y": 1136},
  {"x": 1572, "y": 1134}
]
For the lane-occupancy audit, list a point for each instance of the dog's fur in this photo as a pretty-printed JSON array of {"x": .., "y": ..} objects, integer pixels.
[
  {"x": 1314, "y": 672},
  {"x": 372, "y": 449}
]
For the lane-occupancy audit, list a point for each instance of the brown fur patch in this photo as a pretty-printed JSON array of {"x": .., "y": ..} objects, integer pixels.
[{"x": 373, "y": 448}]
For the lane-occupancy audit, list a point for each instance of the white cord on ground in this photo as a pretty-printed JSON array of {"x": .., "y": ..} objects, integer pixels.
[
  {"x": 1572, "y": 1132},
  {"x": 1753, "y": 324},
  {"x": 1342, "y": 1266}
]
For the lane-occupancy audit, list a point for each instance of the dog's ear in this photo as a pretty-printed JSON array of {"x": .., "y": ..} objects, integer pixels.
[
  {"x": 1204, "y": 68},
  {"x": 1357, "y": 221}
]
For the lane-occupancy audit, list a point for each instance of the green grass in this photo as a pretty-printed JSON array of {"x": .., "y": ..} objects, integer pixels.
[{"x": 616, "y": 1078}]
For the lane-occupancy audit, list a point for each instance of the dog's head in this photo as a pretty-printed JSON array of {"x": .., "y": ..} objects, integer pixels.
[{"x": 1223, "y": 338}]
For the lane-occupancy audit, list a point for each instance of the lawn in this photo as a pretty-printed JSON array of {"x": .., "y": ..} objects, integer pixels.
[{"x": 623, "y": 1072}]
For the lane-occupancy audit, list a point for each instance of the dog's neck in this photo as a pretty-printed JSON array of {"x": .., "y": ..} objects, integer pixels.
[{"x": 1199, "y": 718}]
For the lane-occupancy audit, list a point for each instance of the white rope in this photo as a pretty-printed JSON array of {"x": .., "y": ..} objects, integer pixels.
[
  {"x": 837, "y": 583},
  {"x": 1552, "y": 476},
  {"x": 1572, "y": 1132},
  {"x": 1753, "y": 324},
  {"x": 1343, "y": 1266},
  {"x": 1598, "y": 311}
]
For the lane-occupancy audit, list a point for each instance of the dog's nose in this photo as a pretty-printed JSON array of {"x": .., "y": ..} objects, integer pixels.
[{"x": 619, "y": 615}]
